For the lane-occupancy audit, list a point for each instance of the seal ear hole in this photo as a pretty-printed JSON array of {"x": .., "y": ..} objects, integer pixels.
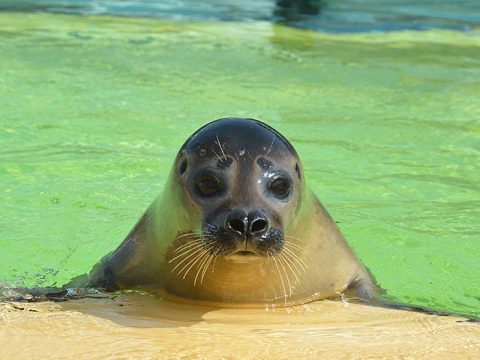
[
  {"x": 297, "y": 170},
  {"x": 183, "y": 167}
]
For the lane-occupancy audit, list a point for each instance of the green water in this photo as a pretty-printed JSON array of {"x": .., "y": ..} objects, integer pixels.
[{"x": 93, "y": 110}]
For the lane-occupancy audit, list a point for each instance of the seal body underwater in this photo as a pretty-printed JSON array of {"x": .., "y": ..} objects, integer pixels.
[{"x": 236, "y": 225}]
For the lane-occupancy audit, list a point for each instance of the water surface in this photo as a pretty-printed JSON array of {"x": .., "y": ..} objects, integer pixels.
[
  {"x": 94, "y": 108},
  {"x": 324, "y": 15}
]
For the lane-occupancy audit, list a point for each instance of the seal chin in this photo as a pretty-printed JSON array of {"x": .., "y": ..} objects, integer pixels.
[{"x": 244, "y": 256}]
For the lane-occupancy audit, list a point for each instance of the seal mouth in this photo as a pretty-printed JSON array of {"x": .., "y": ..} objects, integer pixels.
[
  {"x": 243, "y": 256},
  {"x": 244, "y": 253}
]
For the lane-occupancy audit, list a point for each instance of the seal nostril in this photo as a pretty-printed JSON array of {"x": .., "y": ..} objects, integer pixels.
[
  {"x": 259, "y": 225},
  {"x": 237, "y": 225}
]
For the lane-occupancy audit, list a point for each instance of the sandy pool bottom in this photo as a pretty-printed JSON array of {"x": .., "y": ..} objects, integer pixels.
[{"x": 142, "y": 327}]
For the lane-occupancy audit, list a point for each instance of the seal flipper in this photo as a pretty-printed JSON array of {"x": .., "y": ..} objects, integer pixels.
[
  {"x": 80, "y": 281},
  {"x": 364, "y": 288},
  {"x": 99, "y": 277},
  {"x": 111, "y": 271}
]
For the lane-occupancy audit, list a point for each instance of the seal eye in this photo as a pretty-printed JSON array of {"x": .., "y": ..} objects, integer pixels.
[
  {"x": 208, "y": 186},
  {"x": 280, "y": 187}
]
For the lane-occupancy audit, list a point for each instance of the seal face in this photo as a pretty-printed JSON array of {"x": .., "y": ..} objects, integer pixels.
[
  {"x": 236, "y": 225},
  {"x": 239, "y": 186}
]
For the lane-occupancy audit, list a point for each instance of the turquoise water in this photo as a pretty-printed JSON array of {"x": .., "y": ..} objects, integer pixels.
[
  {"x": 94, "y": 108},
  {"x": 325, "y": 15}
]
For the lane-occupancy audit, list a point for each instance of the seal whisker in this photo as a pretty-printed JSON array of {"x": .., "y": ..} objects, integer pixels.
[
  {"x": 293, "y": 237},
  {"x": 204, "y": 260},
  {"x": 218, "y": 156},
  {"x": 221, "y": 149},
  {"x": 287, "y": 260},
  {"x": 203, "y": 268},
  {"x": 187, "y": 251},
  {"x": 194, "y": 253},
  {"x": 214, "y": 255},
  {"x": 295, "y": 242},
  {"x": 187, "y": 245},
  {"x": 293, "y": 249},
  {"x": 280, "y": 261},
  {"x": 201, "y": 238},
  {"x": 204, "y": 263},
  {"x": 189, "y": 234},
  {"x": 295, "y": 246},
  {"x": 293, "y": 262},
  {"x": 270, "y": 147},
  {"x": 281, "y": 278},
  {"x": 192, "y": 262},
  {"x": 200, "y": 258},
  {"x": 298, "y": 260},
  {"x": 186, "y": 255},
  {"x": 193, "y": 258},
  {"x": 194, "y": 236},
  {"x": 298, "y": 253}
]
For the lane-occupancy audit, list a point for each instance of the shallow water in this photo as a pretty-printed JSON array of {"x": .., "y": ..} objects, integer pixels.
[
  {"x": 94, "y": 108},
  {"x": 141, "y": 327}
]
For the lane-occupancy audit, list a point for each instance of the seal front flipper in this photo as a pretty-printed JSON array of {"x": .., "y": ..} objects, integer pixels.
[
  {"x": 100, "y": 276},
  {"x": 110, "y": 272},
  {"x": 364, "y": 288},
  {"x": 114, "y": 270}
]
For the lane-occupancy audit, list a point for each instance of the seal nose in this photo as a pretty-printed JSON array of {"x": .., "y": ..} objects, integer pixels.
[
  {"x": 255, "y": 224},
  {"x": 238, "y": 223}
]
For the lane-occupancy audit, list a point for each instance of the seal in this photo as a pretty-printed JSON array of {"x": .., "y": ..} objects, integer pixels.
[{"x": 236, "y": 225}]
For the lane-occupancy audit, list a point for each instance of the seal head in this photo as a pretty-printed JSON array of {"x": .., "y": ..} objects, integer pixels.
[{"x": 243, "y": 179}]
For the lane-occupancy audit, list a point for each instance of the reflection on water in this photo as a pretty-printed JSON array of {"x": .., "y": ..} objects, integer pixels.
[
  {"x": 325, "y": 15},
  {"x": 291, "y": 11}
]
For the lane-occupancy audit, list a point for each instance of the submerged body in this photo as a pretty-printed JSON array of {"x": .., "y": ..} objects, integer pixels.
[{"x": 236, "y": 225}]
